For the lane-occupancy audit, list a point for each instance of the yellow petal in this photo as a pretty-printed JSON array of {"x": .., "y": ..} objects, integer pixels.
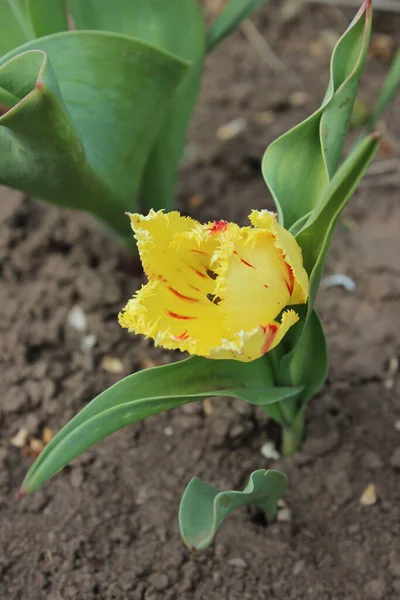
[
  {"x": 291, "y": 252},
  {"x": 214, "y": 290},
  {"x": 250, "y": 345}
]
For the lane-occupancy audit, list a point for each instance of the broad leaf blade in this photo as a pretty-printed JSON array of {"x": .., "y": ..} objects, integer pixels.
[
  {"x": 175, "y": 26},
  {"x": 143, "y": 394},
  {"x": 203, "y": 507},
  {"x": 298, "y": 165},
  {"x": 47, "y": 16},
  {"x": 234, "y": 12},
  {"x": 73, "y": 139},
  {"x": 15, "y": 26}
]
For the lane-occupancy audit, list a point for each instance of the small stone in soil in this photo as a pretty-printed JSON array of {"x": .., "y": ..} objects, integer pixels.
[
  {"x": 268, "y": 450},
  {"x": 112, "y": 365},
  {"x": 77, "y": 318},
  {"x": 369, "y": 496},
  {"x": 237, "y": 562}
]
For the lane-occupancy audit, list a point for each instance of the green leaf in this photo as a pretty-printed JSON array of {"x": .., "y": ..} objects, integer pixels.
[
  {"x": 203, "y": 507},
  {"x": 175, "y": 26},
  {"x": 309, "y": 365},
  {"x": 298, "y": 166},
  {"x": 74, "y": 139},
  {"x": 147, "y": 393},
  {"x": 315, "y": 239},
  {"x": 316, "y": 235},
  {"x": 47, "y": 16},
  {"x": 15, "y": 26},
  {"x": 234, "y": 12},
  {"x": 388, "y": 92}
]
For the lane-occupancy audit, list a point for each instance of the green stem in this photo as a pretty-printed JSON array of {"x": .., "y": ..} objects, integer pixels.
[{"x": 293, "y": 435}]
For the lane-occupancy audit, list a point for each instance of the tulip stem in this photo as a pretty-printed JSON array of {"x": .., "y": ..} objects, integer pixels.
[{"x": 293, "y": 435}]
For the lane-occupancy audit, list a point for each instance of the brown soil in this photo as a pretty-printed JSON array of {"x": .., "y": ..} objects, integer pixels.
[{"x": 106, "y": 528}]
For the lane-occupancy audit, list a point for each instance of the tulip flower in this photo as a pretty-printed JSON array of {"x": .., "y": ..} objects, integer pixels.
[{"x": 216, "y": 290}]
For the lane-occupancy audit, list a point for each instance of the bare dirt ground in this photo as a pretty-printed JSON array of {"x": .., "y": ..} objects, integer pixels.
[{"x": 106, "y": 527}]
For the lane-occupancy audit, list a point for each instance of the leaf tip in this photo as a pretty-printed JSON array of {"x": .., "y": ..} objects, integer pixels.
[
  {"x": 22, "y": 492},
  {"x": 375, "y": 135}
]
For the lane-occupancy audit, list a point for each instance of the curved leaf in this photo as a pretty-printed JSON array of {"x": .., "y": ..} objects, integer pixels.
[
  {"x": 175, "y": 26},
  {"x": 147, "y": 393},
  {"x": 298, "y": 165},
  {"x": 85, "y": 122},
  {"x": 388, "y": 92},
  {"x": 315, "y": 239},
  {"x": 234, "y": 12},
  {"x": 203, "y": 507}
]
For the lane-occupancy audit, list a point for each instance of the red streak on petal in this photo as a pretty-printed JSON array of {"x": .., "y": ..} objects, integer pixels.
[
  {"x": 218, "y": 226},
  {"x": 270, "y": 332},
  {"x": 201, "y": 252},
  {"x": 181, "y": 296},
  {"x": 290, "y": 283},
  {"x": 176, "y": 316},
  {"x": 199, "y": 273},
  {"x": 183, "y": 336},
  {"x": 195, "y": 288},
  {"x": 247, "y": 263}
]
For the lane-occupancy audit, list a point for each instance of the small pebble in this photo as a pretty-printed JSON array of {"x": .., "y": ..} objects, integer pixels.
[
  {"x": 112, "y": 365},
  {"x": 369, "y": 496},
  {"x": 237, "y": 562},
  {"x": 268, "y": 450},
  {"x": 168, "y": 431},
  {"x": 231, "y": 129},
  {"x": 77, "y": 318},
  {"x": 19, "y": 439},
  {"x": 88, "y": 342},
  {"x": 298, "y": 567}
]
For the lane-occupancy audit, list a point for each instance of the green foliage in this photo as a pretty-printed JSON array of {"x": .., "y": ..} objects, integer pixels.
[
  {"x": 233, "y": 13},
  {"x": 298, "y": 166},
  {"x": 150, "y": 392},
  {"x": 388, "y": 92},
  {"x": 203, "y": 507},
  {"x": 46, "y": 17},
  {"x": 311, "y": 189},
  {"x": 73, "y": 133},
  {"x": 120, "y": 124}
]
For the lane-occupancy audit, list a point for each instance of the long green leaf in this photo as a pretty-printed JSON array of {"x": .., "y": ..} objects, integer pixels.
[
  {"x": 150, "y": 392},
  {"x": 298, "y": 166},
  {"x": 15, "y": 26},
  {"x": 47, "y": 16},
  {"x": 86, "y": 121},
  {"x": 203, "y": 507},
  {"x": 234, "y": 12},
  {"x": 388, "y": 92},
  {"x": 315, "y": 239}
]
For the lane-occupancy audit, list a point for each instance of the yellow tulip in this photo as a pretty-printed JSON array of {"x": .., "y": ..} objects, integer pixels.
[{"x": 216, "y": 290}]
